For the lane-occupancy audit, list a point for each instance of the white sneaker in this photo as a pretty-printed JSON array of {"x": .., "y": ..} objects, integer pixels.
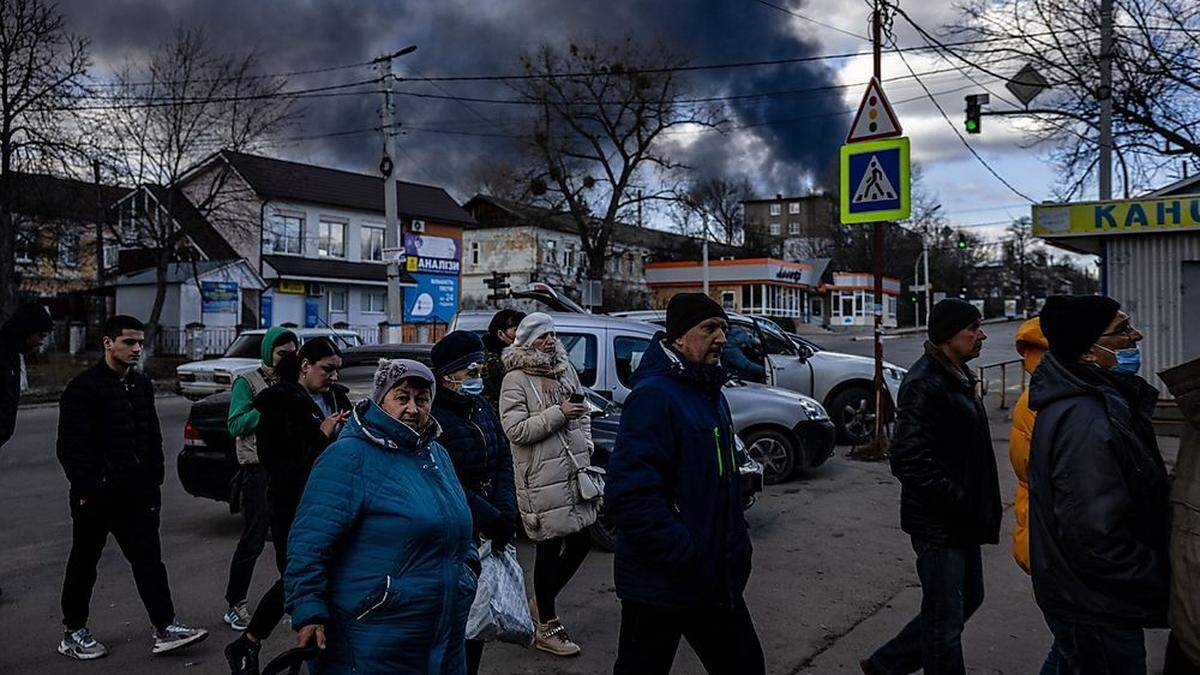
[
  {"x": 81, "y": 645},
  {"x": 176, "y": 636},
  {"x": 238, "y": 616}
]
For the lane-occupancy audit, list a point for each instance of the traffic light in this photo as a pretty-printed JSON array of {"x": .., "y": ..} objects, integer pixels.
[
  {"x": 962, "y": 242},
  {"x": 498, "y": 282},
  {"x": 975, "y": 103}
]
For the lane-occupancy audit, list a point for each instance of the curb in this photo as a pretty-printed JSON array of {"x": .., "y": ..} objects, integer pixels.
[{"x": 46, "y": 399}]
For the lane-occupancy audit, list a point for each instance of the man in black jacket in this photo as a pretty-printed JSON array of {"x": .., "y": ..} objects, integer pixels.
[
  {"x": 110, "y": 447},
  {"x": 24, "y": 332},
  {"x": 949, "y": 493},
  {"x": 1098, "y": 490}
]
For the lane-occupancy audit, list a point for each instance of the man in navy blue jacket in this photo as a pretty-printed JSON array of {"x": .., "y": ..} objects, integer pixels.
[{"x": 683, "y": 551}]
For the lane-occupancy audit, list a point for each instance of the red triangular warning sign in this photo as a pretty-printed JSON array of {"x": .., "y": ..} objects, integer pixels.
[{"x": 875, "y": 117}]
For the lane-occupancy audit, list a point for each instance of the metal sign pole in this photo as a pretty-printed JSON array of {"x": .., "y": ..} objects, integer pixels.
[{"x": 876, "y": 29}]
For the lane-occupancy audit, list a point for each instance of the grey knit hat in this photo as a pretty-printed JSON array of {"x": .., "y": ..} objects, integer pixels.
[
  {"x": 392, "y": 371},
  {"x": 532, "y": 327}
]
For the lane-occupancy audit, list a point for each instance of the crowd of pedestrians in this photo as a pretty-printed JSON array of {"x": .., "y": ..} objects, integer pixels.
[{"x": 378, "y": 510}]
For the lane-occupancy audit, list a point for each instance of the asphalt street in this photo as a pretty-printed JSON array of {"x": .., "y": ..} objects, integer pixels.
[{"x": 833, "y": 573}]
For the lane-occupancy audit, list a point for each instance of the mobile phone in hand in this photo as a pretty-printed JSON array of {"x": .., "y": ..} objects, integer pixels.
[{"x": 576, "y": 398}]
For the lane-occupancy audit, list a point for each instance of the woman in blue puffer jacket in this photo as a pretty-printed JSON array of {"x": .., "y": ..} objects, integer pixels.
[{"x": 378, "y": 560}]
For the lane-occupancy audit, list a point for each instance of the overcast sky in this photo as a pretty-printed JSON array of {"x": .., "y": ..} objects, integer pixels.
[{"x": 792, "y": 153}]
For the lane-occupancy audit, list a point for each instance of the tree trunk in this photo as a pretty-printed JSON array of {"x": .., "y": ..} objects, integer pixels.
[
  {"x": 8, "y": 233},
  {"x": 160, "y": 296}
]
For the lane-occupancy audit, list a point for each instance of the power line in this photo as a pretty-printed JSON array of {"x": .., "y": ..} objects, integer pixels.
[
  {"x": 160, "y": 102},
  {"x": 798, "y": 15},
  {"x": 262, "y": 76}
]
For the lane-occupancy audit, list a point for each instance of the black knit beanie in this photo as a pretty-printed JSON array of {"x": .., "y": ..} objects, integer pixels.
[
  {"x": 455, "y": 351},
  {"x": 688, "y": 310},
  {"x": 1073, "y": 323},
  {"x": 950, "y": 316}
]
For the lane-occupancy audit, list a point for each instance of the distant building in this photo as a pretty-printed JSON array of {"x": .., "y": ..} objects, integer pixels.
[
  {"x": 758, "y": 286},
  {"x": 535, "y": 244},
  {"x": 852, "y": 299},
  {"x": 791, "y": 227}
]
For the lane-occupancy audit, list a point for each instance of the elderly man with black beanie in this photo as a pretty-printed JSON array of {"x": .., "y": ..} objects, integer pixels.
[
  {"x": 1098, "y": 490},
  {"x": 682, "y": 551},
  {"x": 949, "y": 493}
]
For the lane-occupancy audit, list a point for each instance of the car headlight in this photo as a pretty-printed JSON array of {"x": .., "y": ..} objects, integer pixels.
[
  {"x": 187, "y": 377},
  {"x": 894, "y": 373},
  {"x": 813, "y": 409}
]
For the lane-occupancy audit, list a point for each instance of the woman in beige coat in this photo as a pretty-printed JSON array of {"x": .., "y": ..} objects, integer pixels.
[{"x": 551, "y": 438}]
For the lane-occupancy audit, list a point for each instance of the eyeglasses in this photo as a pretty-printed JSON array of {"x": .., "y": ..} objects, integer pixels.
[
  {"x": 1127, "y": 330},
  {"x": 474, "y": 369}
]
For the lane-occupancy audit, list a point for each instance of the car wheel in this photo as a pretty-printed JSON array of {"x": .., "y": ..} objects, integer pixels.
[
  {"x": 853, "y": 412},
  {"x": 604, "y": 534},
  {"x": 775, "y": 451}
]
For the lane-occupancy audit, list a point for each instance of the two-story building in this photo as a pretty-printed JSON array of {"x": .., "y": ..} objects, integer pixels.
[
  {"x": 530, "y": 244},
  {"x": 316, "y": 236}
]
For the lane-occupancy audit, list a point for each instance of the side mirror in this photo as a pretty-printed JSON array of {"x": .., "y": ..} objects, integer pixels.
[{"x": 804, "y": 353}]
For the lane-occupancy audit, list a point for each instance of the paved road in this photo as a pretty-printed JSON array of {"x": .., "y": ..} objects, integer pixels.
[{"x": 833, "y": 574}]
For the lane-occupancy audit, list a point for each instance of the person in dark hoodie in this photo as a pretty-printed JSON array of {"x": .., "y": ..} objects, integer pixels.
[
  {"x": 683, "y": 552},
  {"x": 24, "y": 332},
  {"x": 299, "y": 416},
  {"x": 1099, "y": 513},
  {"x": 949, "y": 493},
  {"x": 472, "y": 435},
  {"x": 500, "y": 334}
]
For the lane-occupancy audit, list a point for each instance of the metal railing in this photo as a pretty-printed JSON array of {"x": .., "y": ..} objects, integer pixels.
[{"x": 1002, "y": 366}]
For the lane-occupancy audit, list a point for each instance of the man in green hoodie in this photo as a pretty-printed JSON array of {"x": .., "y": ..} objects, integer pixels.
[{"x": 252, "y": 482}]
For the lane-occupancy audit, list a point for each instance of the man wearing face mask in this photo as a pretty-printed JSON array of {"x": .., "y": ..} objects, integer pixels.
[
  {"x": 475, "y": 441},
  {"x": 1098, "y": 489}
]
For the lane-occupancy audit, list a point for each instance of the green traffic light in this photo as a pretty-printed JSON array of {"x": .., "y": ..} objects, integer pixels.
[{"x": 972, "y": 126}]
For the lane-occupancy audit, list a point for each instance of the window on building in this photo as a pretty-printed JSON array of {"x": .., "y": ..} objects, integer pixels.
[
  {"x": 111, "y": 254},
  {"x": 68, "y": 249},
  {"x": 793, "y": 228},
  {"x": 26, "y": 242},
  {"x": 337, "y": 300},
  {"x": 474, "y": 253},
  {"x": 628, "y": 353},
  {"x": 374, "y": 302},
  {"x": 773, "y": 228},
  {"x": 372, "y": 242},
  {"x": 727, "y": 299},
  {"x": 285, "y": 234},
  {"x": 631, "y": 265},
  {"x": 550, "y": 252},
  {"x": 569, "y": 257},
  {"x": 776, "y": 209},
  {"x": 847, "y": 304},
  {"x": 794, "y": 208},
  {"x": 331, "y": 239},
  {"x": 581, "y": 352}
]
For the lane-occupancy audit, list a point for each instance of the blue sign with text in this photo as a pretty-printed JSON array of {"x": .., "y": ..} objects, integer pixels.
[{"x": 433, "y": 300}]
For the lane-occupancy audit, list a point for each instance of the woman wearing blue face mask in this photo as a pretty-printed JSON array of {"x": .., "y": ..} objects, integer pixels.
[{"x": 472, "y": 435}]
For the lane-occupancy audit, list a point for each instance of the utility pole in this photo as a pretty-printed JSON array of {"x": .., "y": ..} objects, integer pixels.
[
  {"x": 391, "y": 234},
  {"x": 704, "y": 251},
  {"x": 925, "y": 256},
  {"x": 1105, "y": 95},
  {"x": 101, "y": 219},
  {"x": 877, "y": 48}
]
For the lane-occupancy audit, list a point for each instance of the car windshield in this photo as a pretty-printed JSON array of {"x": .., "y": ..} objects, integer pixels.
[{"x": 246, "y": 346}]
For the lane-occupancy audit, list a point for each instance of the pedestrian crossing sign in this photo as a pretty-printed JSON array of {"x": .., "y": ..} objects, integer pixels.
[{"x": 875, "y": 181}]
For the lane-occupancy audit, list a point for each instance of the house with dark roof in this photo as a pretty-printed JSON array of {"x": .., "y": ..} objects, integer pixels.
[
  {"x": 198, "y": 291},
  {"x": 316, "y": 236},
  {"x": 531, "y": 244}
]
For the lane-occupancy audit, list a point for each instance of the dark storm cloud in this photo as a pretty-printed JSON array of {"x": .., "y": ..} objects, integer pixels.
[{"x": 483, "y": 37}]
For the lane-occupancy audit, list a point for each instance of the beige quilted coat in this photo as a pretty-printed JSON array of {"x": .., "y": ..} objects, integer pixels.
[{"x": 533, "y": 388}]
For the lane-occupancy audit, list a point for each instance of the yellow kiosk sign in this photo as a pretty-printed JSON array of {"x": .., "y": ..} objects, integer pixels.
[{"x": 1126, "y": 216}]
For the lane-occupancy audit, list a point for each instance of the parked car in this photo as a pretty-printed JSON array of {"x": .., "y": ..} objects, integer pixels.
[
  {"x": 784, "y": 430},
  {"x": 198, "y": 379},
  {"x": 208, "y": 464},
  {"x": 843, "y": 383}
]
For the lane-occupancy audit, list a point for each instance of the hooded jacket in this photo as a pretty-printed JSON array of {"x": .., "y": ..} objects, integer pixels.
[
  {"x": 1031, "y": 345},
  {"x": 943, "y": 456},
  {"x": 27, "y": 320},
  {"x": 1184, "y": 611},
  {"x": 379, "y": 552},
  {"x": 1098, "y": 510},
  {"x": 290, "y": 438},
  {"x": 109, "y": 440},
  {"x": 242, "y": 420},
  {"x": 472, "y": 435},
  {"x": 673, "y": 490},
  {"x": 541, "y": 437}
]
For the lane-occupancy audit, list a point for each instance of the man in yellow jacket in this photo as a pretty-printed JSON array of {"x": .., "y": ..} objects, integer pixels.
[{"x": 1031, "y": 345}]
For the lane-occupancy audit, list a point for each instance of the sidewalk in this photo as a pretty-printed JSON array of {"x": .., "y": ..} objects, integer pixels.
[{"x": 1008, "y": 634}]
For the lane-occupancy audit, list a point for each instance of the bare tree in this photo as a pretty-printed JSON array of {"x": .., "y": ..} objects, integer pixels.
[
  {"x": 594, "y": 139},
  {"x": 720, "y": 199},
  {"x": 170, "y": 113},
  {"x": 1156, "y": 79},
  {"x": 41, "y": 72},
  {"x": 1020, "y": 254}
]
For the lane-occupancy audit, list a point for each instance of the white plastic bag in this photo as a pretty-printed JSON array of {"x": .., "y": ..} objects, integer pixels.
[{"x": 500, "y": 611}]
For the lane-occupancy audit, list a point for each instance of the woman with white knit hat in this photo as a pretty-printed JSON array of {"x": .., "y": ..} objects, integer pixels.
[{"x": 545, "y": 419}]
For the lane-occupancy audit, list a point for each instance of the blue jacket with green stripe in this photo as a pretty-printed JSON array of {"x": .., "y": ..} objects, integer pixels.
[{"x": 673, "y": 490}]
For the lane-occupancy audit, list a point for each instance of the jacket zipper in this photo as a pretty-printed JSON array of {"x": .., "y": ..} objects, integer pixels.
[
  {"x": 720, "y": 459},
  {"x": 386, "y": 590}
]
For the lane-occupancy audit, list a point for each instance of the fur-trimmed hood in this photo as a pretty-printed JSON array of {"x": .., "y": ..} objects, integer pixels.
[{"x": 536, "y": 362}]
